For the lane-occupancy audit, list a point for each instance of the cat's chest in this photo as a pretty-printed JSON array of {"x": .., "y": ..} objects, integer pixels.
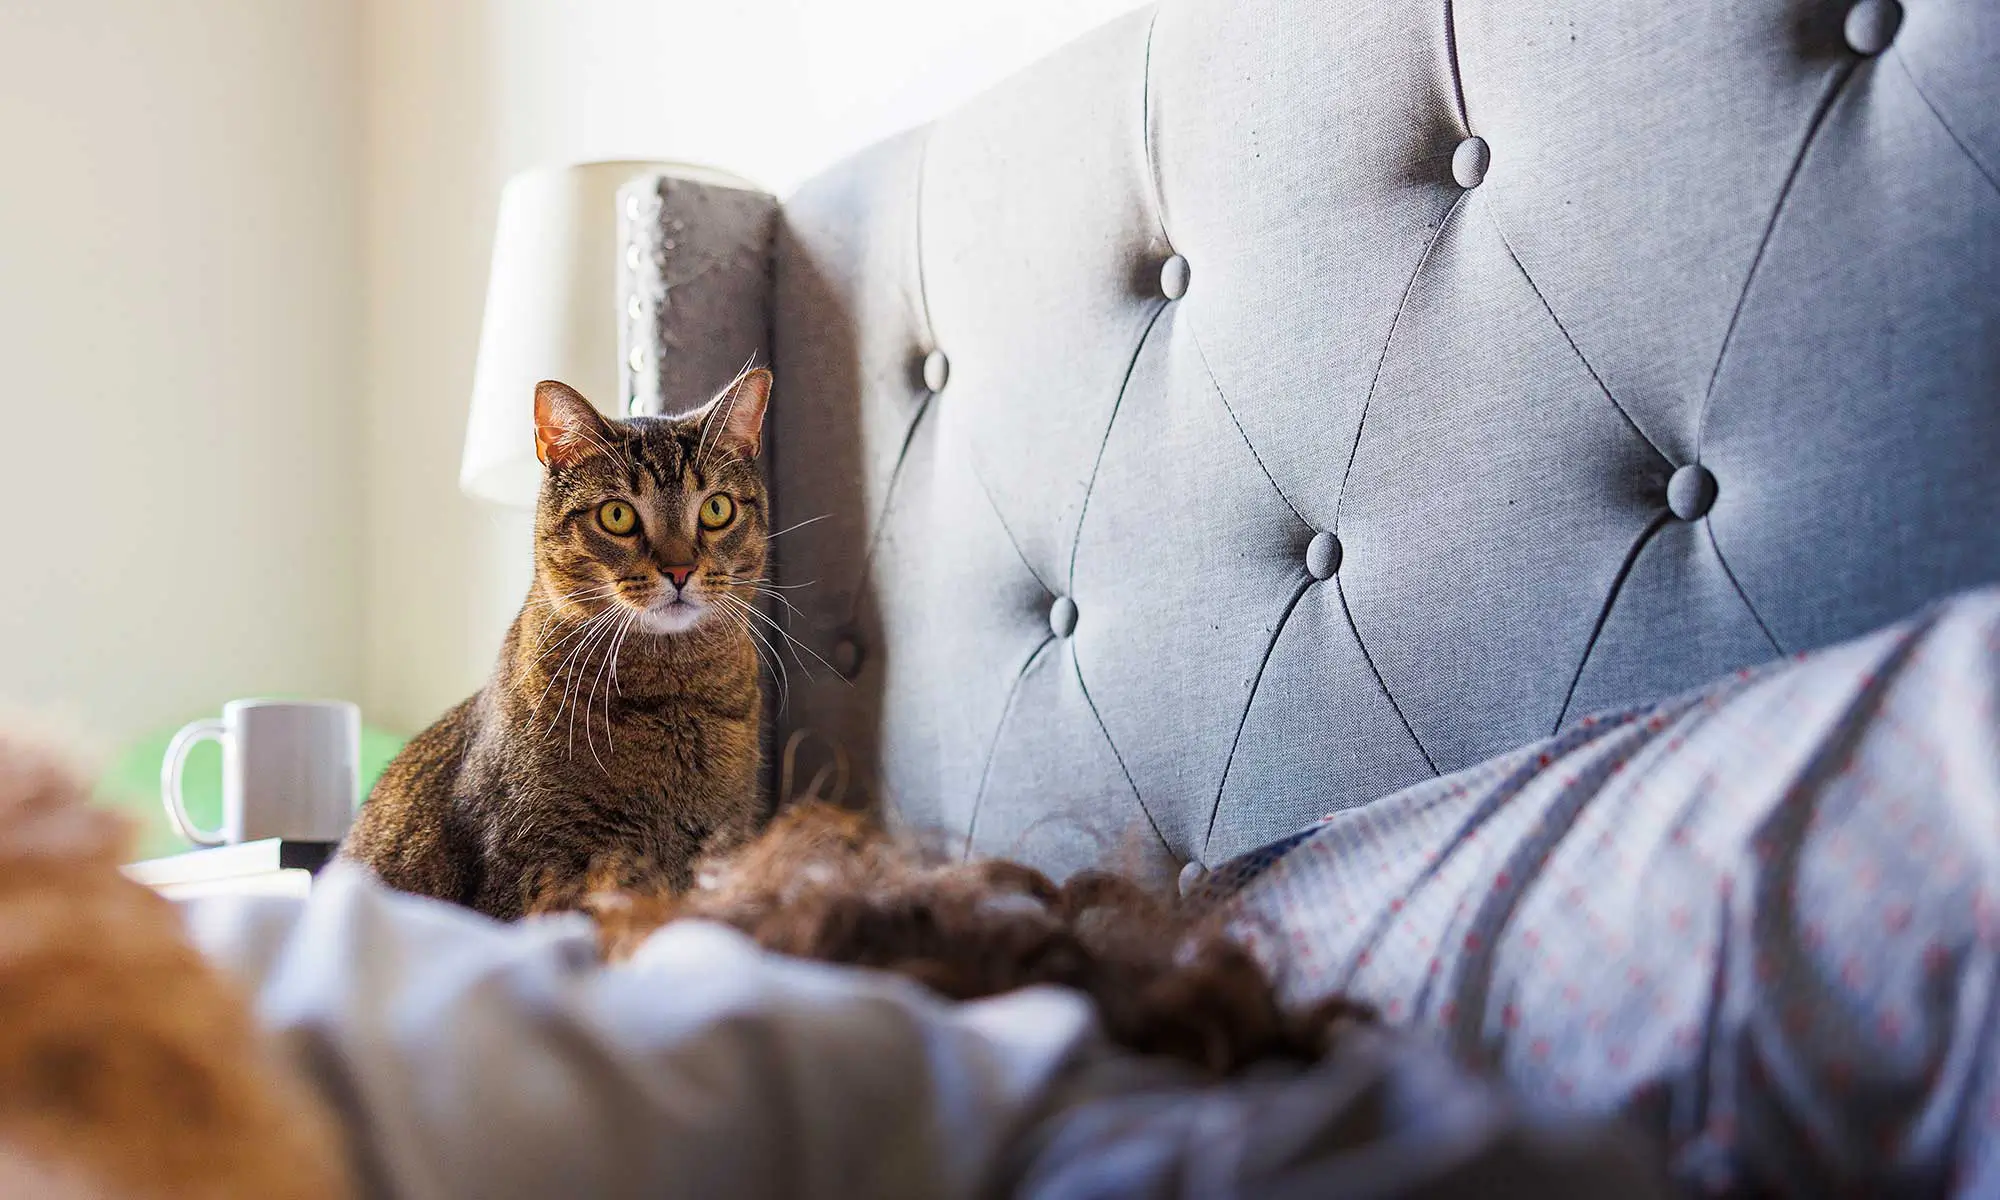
[{"x": 635, "y": 750}]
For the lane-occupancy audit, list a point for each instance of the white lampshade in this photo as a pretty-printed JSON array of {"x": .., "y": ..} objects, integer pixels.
[{"x": 551, "y": 313}]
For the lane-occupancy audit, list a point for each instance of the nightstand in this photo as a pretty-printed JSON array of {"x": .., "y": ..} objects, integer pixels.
[{"x": 270, "y": 867}]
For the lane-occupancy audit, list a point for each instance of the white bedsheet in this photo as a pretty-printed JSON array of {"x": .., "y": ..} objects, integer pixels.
[{"x": 473, "y": 1059}]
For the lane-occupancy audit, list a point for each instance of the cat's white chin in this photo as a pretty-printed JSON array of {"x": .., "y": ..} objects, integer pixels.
[{"x": 672, "y": 618}]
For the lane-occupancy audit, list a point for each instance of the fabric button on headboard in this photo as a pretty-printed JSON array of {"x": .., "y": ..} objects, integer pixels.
[{"x": 1264, "y": 404}]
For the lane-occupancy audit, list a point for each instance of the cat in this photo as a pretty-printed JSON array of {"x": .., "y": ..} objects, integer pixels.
[
  {"x": 129, "y": 1066},
  {"x": 622, "y": 722}
]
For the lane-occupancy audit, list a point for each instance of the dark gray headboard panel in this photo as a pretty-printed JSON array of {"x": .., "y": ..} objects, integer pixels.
[{"x": 1322, "y": 396}]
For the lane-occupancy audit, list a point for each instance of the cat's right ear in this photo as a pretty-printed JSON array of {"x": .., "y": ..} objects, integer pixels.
[{"x": 568, "y": 428}]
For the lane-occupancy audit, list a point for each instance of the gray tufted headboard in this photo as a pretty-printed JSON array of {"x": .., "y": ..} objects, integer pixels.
[{"x": 1265, "y": 404}]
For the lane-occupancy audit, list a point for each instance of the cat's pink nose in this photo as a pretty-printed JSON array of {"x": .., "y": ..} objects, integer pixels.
[{"x": 678, "y": 574}]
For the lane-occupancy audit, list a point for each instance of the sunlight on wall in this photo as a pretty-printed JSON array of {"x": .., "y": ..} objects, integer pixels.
[{"x": 179, "y": 322}]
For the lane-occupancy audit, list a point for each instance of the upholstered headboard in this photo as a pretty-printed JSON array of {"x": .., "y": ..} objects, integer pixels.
[{"x": 1265, "y": 404}]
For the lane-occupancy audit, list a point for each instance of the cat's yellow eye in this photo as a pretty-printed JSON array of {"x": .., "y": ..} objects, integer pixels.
[
  {"x": 617, "y": 517},
  {"x": 716, "y": 511}
]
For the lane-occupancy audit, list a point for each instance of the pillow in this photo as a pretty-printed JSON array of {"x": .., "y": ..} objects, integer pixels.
[{"x": 1762, "y": 919}]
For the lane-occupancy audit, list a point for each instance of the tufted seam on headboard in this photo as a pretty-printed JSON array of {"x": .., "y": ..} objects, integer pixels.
[
  {"x": 1813, "y": 127},
  {"x": 1834, "y": 91},
  {"x": 917, "y": 215},
  {"x": 1000, "y": 727},
  {"x": 1639, "y": 545},
  {"x": 1548, "y": 308},
  {"x": 1117, "y": 755},
  {"x": 1388, "y": 339},
  {"x": 1159, "y": 195},
  {"x": 1194, "y": 338},
  {"x": 1903, "y": 61},
  {"x": 1368, "y": 656},
  {"x": 1457, "y": 68},
  {"x": 879, "y": 527},
  {"x": 1097, "y": 463},
  {"x": 1006, "y": 529},
  {"x": 1743, "y": 595},
  {"x": 1249, "y": 702}
]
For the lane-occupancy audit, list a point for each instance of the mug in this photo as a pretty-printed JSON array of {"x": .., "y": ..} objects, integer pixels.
[{"x": 291, "y": 769}]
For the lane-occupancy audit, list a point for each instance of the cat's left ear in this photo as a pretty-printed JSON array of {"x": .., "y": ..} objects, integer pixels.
[{"x": 735, "y": 418}]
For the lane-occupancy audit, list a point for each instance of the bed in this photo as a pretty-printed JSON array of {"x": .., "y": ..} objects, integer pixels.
[{"x": 1273, "y": 446}]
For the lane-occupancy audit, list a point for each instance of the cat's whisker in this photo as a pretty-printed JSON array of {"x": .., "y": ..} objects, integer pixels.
[
  {"x": 560, "y": 609},
  {"x": 557, "y": 674},
  {"x": 728, "y": 456},
  {"x": 557, "y": 606},
  {"x": 560, "y": 642},
  {"x": 614, "y": 690},
  {"x": 733, "y": 581},
  {"x": 589, "y": 735},
  {"x": 782, "y": 632},
  {"x": 773, "y": 655},
  {"x": 763, "y": 591},
  {"x": 575, "y": 690},
  {"x": 739, "y": 622},
  {"x": 701, "y": 446},
  {"x": 586, "y": 624},
  {"x": 610, "y": 660},
  {"x": 776, "y": 660},
  {"x": 567, "y": 706},
  {"x": 622, "y": 634},
  {"x": 562, "y": 696},
  {"x": 594, "y": 440},
  {"x": 590, "y": 697},
  {"x": 797, "y": 525},
  {"x": 782, "y": 587},
  {"x": 750, "y": 610},
  {"x": 721, "y": 420},
  {"x": 561, "y": 667},
  {"x": 579, "y": 593},
  {"x": 555, "y": 617},
  {"x": 715, "y": 421}
]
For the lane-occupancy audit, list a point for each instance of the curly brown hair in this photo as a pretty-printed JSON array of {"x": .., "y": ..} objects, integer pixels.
[{"x": 831, "y": 884}]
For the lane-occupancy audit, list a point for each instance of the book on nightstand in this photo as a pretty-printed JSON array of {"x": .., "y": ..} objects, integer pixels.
[{"x": 269, "y": 867}]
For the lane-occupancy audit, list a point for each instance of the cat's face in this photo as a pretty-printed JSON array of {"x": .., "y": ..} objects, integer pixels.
[{"x": 664, "y": 516}]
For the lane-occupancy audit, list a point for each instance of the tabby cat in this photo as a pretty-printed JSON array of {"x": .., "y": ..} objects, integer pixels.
[{"x": 621, "y": 723}]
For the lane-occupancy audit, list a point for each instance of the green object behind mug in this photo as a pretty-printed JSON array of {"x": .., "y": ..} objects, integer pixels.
[{"x": 131, "y": 785}]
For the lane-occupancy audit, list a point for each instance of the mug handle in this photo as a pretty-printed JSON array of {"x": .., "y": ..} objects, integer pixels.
[{"x": 170, "y": 778}]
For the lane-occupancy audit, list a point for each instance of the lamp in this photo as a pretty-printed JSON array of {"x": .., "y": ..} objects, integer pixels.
[
  {"x": 551, "y": 313},
  {"x": 552, "y": 303}
]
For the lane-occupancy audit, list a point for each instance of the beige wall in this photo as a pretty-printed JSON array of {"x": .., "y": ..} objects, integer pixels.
[
  {"x": 460, "y": 94},
  {"x": 179, "y": 304}
]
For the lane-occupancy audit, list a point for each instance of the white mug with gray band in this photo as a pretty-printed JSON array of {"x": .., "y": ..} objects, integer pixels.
[{"x": 291, "y": 769}]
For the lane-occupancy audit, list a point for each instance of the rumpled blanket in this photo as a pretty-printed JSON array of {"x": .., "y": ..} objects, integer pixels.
[{"x": 1761, "y": 920}]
